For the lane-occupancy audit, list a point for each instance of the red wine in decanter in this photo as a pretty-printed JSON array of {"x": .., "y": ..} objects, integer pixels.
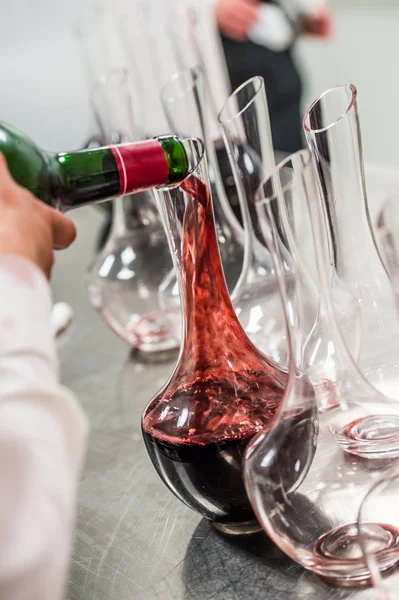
[{"x": 222, "y": 392}]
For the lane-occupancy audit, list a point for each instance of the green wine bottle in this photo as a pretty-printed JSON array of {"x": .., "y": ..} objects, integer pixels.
[{"x": 71, "y": 179}]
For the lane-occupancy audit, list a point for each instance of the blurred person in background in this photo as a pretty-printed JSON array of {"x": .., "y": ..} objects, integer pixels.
[
  {"x": 42, "y": 427},
  {"x": 258, "y": 39}
]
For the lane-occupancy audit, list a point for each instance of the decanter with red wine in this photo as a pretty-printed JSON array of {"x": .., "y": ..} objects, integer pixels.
[{"x": 223, "y": 390}]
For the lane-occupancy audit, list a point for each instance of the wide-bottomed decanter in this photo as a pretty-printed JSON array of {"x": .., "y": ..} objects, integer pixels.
[
  {"x": 223, "y": 390},
  {"x": 123, "y": 279}
]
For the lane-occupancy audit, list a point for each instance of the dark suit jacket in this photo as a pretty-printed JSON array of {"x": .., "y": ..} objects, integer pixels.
[{"x": 283, "y": 87}]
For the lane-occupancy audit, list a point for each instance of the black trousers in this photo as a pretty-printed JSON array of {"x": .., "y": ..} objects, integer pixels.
[{"x": 283, "y": 87}]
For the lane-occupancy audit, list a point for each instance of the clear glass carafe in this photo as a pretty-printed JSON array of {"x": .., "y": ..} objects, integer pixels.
[
  {"x": 92, "y": 35},
  {"x": 333, "y": 133},
  {"x": 195, "y": 39},
  {"x": 123, "y": 280},
  {"x": 150, "y": 64},
  {"x": 317, "y": 350},
  {"x": 95, "y": 43},
  {"x": 308, "y": 472},
  {"x": 223, "y": 390},
  {"x": 247, "y": 136}
]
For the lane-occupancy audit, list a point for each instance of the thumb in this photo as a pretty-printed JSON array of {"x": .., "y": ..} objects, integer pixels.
[{"x": 63, "y": 228}]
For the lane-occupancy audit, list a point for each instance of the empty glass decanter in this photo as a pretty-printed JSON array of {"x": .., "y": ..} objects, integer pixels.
[
  {"x": 333, "y": 133},
  {"x": 223, "y": 390},
  {"x": 184, "y": 100},
  {"x": 94, "y": 42},
  {"x": 150, "y": 61},
  {"x": 95, "y": 45},
  {"x": 247, "y": 136},
  {"x": 316, "y": 349},
  {"x": 123, "y": 280},
  {"x": 307, "y": 473},
  {"x": 195, "y": 39}
]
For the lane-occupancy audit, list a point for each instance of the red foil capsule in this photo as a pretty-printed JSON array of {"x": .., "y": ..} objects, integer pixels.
[{"x": 141, "y": 165}]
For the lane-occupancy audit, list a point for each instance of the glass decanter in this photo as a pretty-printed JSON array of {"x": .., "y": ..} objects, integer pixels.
[
  {"x": 317, "y": 349},
  {"x": 195, "y": 39},
  {"x": 247, "y": 136},
  {"x": 381, "y": 549},
  {"x": 223, "y": 390},
  {"x": 332, "y": 130},
  {"x": 93, "y": 41},
  {"x": 150, "y": 64},
  {"x": 123, "y": 280},
  {"x": 308, "y": 472},
  {"x": 184, "y": 101},
  {"x": 95, "y": 44}
]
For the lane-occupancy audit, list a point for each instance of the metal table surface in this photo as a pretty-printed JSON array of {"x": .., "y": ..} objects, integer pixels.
[{"x": 134, "y": 539}]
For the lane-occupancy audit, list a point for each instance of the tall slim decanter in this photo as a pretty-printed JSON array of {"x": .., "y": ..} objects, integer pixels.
[{"x": 333, "y": 132}]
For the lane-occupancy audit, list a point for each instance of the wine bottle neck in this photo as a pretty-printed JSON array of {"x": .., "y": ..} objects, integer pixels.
[{"x": 98, "y": 174}]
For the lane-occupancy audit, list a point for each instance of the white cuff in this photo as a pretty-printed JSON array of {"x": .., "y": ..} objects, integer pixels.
[{"x": 25, "y": 311}]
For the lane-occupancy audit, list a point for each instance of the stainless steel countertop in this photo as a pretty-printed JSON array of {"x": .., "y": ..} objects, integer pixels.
[{"x": 134, "y": 539}]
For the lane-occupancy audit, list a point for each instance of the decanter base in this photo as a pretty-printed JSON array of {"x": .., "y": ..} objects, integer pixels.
[
  {"x": 243, "y": 528},
  {"x": 373, "y": 437},
  {"x": 156, "y": 336},
  {"x": 338, "y": 557}
]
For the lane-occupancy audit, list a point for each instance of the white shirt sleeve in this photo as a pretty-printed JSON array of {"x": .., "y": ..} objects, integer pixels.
[{"x": 42, "y": 442}]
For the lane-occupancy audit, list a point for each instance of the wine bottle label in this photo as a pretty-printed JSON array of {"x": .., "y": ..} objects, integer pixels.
[{"x": 141, "y": 165}]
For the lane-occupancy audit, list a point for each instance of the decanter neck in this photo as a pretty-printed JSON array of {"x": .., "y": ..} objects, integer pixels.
[
  {"x": 351, "y": 236},
  {"x": 333, "y": 133},
  {"x": 207, "y": 305}
]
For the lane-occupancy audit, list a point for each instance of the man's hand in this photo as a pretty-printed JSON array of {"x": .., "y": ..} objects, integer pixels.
[
  {"x": 28, "y": 227},
  {"x": 236, "y": 17},
  {"x": 320, "y": 25}
]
